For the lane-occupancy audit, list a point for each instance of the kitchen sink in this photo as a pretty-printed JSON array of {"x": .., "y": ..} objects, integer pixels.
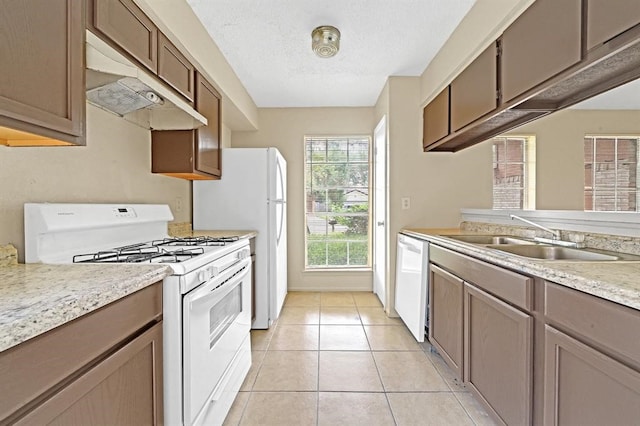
[
  {"x": 489, "y": 239},
  {"x": 557, "y": 253}
]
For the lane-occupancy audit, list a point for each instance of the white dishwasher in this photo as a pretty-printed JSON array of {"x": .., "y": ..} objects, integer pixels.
[{"x": 412, "y": 284}]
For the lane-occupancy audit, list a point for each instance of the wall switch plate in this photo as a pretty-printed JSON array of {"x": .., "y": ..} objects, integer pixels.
[{"x": 406, "y": 203}]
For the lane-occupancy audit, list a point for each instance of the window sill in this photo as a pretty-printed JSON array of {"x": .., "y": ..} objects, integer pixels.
[{"x": 335, "y": 269}]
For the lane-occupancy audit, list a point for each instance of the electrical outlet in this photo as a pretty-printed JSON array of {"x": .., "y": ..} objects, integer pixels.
[
  {"x": 406, "y": 203},
  {"x": 178, "y": 204}
]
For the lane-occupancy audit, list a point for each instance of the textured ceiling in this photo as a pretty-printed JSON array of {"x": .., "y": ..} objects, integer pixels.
[{"x": 268, "y": 44}]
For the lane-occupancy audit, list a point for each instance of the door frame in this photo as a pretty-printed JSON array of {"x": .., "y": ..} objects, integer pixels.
[{"x": 382, "y": 292}]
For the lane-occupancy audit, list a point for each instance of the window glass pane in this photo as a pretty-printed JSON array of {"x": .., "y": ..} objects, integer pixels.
[
  {"x": 627, "y": 150},
  {"x": 337, "y": 253},
  {"x": 358, "y": 253},
  {"x": 604, "y": 200},
  {"x": 316, "y": 253},
  {"x": 605, "y": 150},
  {"x": 626, "y": 201},
  {"x": 605, "y": 175},
  {"x": 588, "y": 150},
  {"x": 626, "y": 175},
  {"x": 588, "y": 199},
  {"x": 510, "y": 172},
  {"x": 588, "y": 175}
]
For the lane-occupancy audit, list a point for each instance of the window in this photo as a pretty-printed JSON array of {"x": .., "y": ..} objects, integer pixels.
[
  {"x": 337, "y": 202},
  {"x": 610, "y": 173},
  {"x": 513, "y": 173}
]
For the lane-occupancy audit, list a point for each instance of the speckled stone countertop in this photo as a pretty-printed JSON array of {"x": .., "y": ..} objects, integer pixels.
[
  {"x": 617, "y": 281},
  {"x": 36, "y": 298},
  {"x": 184, "y": 230}
]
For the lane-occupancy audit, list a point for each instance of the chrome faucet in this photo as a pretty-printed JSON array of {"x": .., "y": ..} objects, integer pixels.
[
  {"x": 556, "y": 234},
  {"x": 555, "y": 240}
]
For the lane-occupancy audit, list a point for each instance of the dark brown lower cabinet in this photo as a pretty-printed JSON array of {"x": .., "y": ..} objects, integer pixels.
[
  {"x": 498, "y": 355},
  {"x": 104, "y": 368},
  {"x": 124, "y": 389},
  {"x": 445, "y": 316},
  {"x": 586, "y": 387}
]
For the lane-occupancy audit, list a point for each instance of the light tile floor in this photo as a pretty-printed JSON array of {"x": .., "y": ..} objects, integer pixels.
[{"x": 337, "y": 359}]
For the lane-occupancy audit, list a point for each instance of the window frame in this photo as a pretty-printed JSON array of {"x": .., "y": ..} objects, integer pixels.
[
  {"x": 528, "y": 163},
  {"x": 615, "y": 187},
  {"x": 368, "y": 214}
]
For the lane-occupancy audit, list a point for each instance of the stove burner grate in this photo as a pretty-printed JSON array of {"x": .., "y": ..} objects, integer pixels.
[
  {"x": 195, "y": 241},
  {"x": 139, "y": 253}
]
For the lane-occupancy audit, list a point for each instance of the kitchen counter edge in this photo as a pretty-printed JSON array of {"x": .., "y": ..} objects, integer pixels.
[
  {"x": 615, "y": 281},
  {"x": 36, "y": 298}
]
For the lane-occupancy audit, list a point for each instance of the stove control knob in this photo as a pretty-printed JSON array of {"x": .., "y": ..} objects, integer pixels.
[
  {"x": 202, "y": 276},
  {"x": 214, "y": 271}
]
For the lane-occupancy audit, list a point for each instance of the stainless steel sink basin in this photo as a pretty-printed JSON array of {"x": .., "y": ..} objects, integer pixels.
[
  {"x": 555, "y": 253},
  {"x": 489, "y": 239}
]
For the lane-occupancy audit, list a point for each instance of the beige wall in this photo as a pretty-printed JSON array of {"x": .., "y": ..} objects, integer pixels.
[
  {"x": 439, "y": 184},
  {"x": 114, "y": 167},
  {"x": 560, "y": 151},
  {"x": 285, "y": 128}
]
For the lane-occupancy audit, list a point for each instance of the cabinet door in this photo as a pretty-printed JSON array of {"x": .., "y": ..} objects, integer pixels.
[
  {"x": 586, "y": 387},
  {"x": 445, "y": 316},
  {"x": 473, "y": 92},
  {"x": 208, "y": 137},
  {"x": 42, "y": 79},
  {"x": 498, "y": 355},
  {"x": 127, "y": 26},
  {"x": 436, "y": 119},
  {"x": 175, "y": 69},
  {"x": 608, "y": 18},
  {"x": 124, "y": 389},
  {"x": 542, "y": 42}
]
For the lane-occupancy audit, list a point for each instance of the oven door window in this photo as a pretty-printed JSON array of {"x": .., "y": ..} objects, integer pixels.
[{"x": 223, "y": 314}]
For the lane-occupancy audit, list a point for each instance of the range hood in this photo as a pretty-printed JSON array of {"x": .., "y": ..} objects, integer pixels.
[{"x": 117, "y": 85}]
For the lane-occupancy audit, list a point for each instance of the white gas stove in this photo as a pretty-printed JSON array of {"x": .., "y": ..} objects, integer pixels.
[{"x": 206, "y": 301}]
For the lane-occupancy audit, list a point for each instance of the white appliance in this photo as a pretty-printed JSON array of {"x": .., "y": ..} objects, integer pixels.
[
  {"x": 252, "y": 195},
  {"x": 206, "y": 301},
  {"x": 412, "y": 284}
]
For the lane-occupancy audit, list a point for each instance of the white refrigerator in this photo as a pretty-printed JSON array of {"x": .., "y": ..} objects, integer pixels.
[{"x": 251, "y": 195}]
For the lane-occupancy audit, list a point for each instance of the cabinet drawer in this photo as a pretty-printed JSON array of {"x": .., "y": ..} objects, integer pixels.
[
  {"x": 509, "y": 286},
  {"x": 175, "y": 69},
  {"x": 605, "y": 323},
  {"x": 39, "y": 366},
  {"x": 127, "y": 26}
]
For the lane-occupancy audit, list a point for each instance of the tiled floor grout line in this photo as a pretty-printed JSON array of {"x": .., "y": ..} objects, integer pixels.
[{"x": 268, "y": 348}]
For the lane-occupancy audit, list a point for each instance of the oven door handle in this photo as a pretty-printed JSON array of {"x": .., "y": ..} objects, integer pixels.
[{"x": 212, "y": 294}]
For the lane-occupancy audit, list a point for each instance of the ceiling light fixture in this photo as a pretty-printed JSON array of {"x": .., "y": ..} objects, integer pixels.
[{"x": 325, "y": 41}]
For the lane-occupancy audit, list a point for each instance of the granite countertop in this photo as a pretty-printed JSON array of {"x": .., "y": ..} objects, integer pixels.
[
  {"x": 616, "y": 281},
  {"x": 214, "y": 233},
  {"x": 36, "y": 298}
]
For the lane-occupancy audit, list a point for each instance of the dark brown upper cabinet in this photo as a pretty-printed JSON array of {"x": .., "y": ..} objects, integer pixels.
[
  {"x": 192, "y": 154},
  {"x": 42, "y": 90},
  {"x": 474, "y": 91},
  {"x": 607, "y": 19},
  {"x": 543, "y": 41},
  {"x": 175, "y": 69},
  {"x": 556, "y": 54},
  {"x": 126, "y": 25},
  {"x": 436, "y": 119}
]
